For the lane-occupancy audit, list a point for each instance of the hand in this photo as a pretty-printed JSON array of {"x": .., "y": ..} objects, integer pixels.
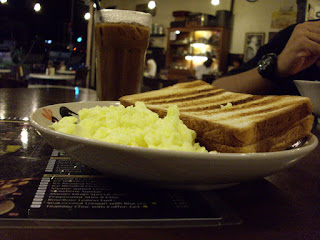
[{"x": 302, "y": 49}]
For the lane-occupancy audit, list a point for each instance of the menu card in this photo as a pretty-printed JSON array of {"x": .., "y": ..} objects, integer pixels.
[{"x": 48, "y": 185}]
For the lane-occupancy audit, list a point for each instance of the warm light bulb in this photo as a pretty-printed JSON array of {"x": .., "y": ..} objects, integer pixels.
[
  {"x": 198, "y": 45},
  {"x": 87, "y": 16},
  {"x": 200, "y": 58},
  {"x": 37, "y": 7},
  {"x": 196, "y": 58},
  {"x": 188, "y": 57},
  {"x": 178, "y": 32},
  {"x": 94, "y": 5},
  {"x": 215, "y": 2},
  {"x": 151, "y": 4}
]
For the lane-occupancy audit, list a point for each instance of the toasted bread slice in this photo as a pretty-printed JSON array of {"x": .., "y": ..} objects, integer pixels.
[
  {"x": 241, "y": 127},
  {"x": 277, "y": 142}
]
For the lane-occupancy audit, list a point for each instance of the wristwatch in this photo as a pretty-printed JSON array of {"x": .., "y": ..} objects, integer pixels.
[{"x": 267, "y": 66}]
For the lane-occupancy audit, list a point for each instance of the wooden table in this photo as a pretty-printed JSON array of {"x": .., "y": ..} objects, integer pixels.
[{"x": 283, "y": 206}]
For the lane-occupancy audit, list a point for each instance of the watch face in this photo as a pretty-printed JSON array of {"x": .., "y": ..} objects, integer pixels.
[
  {"x": 266, "y": 62},
  {"x": 267, "y": 65}
]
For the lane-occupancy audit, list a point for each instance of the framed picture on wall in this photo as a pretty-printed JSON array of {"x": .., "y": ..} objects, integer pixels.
[{"x": 252, "y": 43}]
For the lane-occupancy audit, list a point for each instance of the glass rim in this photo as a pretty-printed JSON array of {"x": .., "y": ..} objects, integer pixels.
[{"x": 123, "y": 16}]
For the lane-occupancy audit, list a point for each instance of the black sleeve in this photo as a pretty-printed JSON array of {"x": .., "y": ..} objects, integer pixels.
[{"x": 275, "y": 45}]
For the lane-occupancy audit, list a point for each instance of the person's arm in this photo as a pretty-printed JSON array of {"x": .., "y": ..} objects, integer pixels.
[
  {"x": 300, "y": 52},
  {"x": 246, "y": 82}
]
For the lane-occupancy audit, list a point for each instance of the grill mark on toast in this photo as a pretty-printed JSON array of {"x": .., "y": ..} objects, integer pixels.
[
  {"x": 218, "y": 106},
  {"x": 206, "y": 102},
  {"x": 255, "y": 113},
  {"x": 183, "y": 97},
  {"x": 195, "y": 84},
  {"x": 253, "y": 101},
  {"x": 153, "y": 97},
  {"x": 249, "y": 99}
]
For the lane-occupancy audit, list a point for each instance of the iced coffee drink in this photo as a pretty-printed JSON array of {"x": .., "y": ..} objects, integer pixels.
[{"x": 121, "y": 47}]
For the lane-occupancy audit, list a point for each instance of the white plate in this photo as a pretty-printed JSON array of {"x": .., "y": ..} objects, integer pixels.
[{"x": 169, "y": 169}]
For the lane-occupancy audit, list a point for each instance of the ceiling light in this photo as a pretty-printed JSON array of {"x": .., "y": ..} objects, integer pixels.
[
  {"x": 215, "y": 2},
  {"x": 87, "y": 16},
  {"x": 37, "y": 7},
  {"x": 152, "y": 4}
]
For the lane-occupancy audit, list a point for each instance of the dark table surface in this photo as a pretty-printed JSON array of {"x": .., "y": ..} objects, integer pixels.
[{"x": 285, "y": 205}]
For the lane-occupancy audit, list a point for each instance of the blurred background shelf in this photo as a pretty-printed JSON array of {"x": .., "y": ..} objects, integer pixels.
[{"x": 188, "y": 47}]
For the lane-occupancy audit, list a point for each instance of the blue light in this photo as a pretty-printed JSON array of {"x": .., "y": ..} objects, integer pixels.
[
  {"x": 79, "y": 39},
  {"x": 76, "y": 91},
  {"x": 48, "y": 41}
]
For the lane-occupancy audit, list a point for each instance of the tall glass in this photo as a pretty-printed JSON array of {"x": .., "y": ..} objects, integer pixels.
[{"x": 122, "y": 38}]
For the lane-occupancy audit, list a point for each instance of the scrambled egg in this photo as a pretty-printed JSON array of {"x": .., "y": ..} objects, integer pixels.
[
  {"x": 227, "y": 106},
  {"x": 134, "y": 126}
]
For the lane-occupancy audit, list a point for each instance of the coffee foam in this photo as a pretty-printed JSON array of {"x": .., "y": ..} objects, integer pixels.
[{"x": 123, "y": 16}]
